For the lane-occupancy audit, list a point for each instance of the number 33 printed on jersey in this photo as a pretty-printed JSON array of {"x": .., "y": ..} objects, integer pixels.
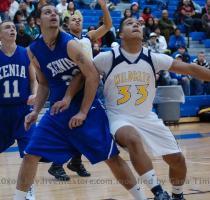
[{"x": 125, "y": 91}]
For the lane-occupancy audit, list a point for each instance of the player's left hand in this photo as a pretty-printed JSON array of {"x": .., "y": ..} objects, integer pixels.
[
  {"x": 31, "y": 100},
  {"x": 77, "y": 120}
]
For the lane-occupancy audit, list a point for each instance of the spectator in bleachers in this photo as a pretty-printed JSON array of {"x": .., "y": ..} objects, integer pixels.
[
  {"x": 187, "y": 15},
  {"x": 152, "y": 43},
  {"x": 150, "y": 27},
  {"x": 183, "y": 51},
  {"x": 62, "y": 7},
  {"x": 96, "y": 49},
  {"x": 4, "y": 9},
  {"x": 127, "y": 13},
  {"x": 19, "y": 18},
  {"x": 65, "y": 24},
  {"x": 206, "y": 7},
  {"x": 70, "y": 10},
  {"x": 146, "y": 14},
  {"x": 31, "y": 28},
  {"x": 22, "y": 38},
  {"x": 23, "y": 7},
  {"x": 135, "y": 9},
  {"x": 161, "y": 41},
  {"x": 206, "y": 21},
  {"x": 197, "y": 86},
  {"x": 164, "y": 78},
  {"x": 29, "y": 7},
  {"x": 183, "y": 80},
  {"x": 166, "y": 25},
  {"x": 14, "y": 6},
  {"x": 176, "y": 40}
]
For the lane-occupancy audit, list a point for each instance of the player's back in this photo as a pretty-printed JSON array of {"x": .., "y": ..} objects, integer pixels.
[{"x": 14, "y": 77}]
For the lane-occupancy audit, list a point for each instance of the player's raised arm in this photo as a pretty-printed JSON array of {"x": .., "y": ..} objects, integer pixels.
[
  {"x": 91, "y": 76},
  {"x": 102, "y": 30},
  {"x": 194, "y": 70}
]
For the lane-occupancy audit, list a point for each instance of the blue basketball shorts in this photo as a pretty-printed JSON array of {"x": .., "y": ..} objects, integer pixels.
[
  {"x": 12, "y": 127},
  {"x": 55, "y": 142}
]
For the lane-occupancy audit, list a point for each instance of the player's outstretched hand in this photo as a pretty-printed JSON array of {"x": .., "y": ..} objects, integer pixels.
[
  {"x": 31, "y": 100},
  {"x": 30, "y": 119},
  {"x": 59, "y": 106},
  {"x": 77, "y": 120}
]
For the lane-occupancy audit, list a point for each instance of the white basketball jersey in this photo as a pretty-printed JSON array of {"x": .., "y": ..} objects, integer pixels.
[
  {"x": 86, "y": 46},
  {"x": 130, "y": 87}
]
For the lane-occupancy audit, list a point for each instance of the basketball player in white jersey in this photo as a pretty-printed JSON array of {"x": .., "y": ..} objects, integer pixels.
[{"x": 129, "y": 93}]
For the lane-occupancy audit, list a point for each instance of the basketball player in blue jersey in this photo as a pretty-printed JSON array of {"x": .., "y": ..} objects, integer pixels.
[
  {"x": 57, "y": 56},
  {"x": 75, "y": 27},
  {"x": 17, "y": 87},
  {"x": 129, "y": 92}
]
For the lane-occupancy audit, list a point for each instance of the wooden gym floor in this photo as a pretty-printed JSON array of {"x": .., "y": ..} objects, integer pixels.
[{"x": 193, "y": 138}]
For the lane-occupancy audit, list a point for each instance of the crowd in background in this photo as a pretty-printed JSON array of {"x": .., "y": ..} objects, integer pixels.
[{"x": 161, "y": 35}]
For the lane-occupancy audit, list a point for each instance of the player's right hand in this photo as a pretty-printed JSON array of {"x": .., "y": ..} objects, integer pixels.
[
  {"x": 59, "y": 106},
  {"x": 30, "y": 119}
]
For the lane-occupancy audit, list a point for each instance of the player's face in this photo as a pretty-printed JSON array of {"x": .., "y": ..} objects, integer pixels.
[
  {"x": 131, "y": 29},
  {"x": 75, "y": 24},
  {"x": 8, "y": 32},
  {"x": 49, "y": 17}
]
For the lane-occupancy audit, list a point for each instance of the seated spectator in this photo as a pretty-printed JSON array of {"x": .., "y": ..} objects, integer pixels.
[
  {"x": 31, "y": 28},
  {"x": 29, "y": 7},
  {"x": 206, "y": 21},
  {"x": 22, "y": 38},
  {"x": 206, "y": 7},
  {"x": 96, "y": 49},
  {"x": 161, "y": 41},
  {"x": 176, "y": 40},
  {"x": 197, "y": 86},
  {"x": 65, "y": 25},
  {"x": 19, "y": 18},
  {"x": 62, "y": 7},
  {"x": 183, "y": 51},
  {"x": 186, "y": 15},
  {"x": 183, "y": 80},
  {"x": 164, "y": 78},
  {"x": 70, "y": 10},
  {"x": 166, "y": 25},
  {"x": 146, "y": 14},
  {"x": 150, "y": 27},
  {"x": 127, "y": 13},
  {"x": 152, "y": 43},
  {"x": 23, "y": 7},
  {"x": 135, "y": 9},
  {"x": 13, "y": 9},
  {"x": 4, "y": 8}
]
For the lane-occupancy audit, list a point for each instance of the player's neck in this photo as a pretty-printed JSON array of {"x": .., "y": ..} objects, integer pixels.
[
  {"x": 50, "y": 38},
  {"x": 8, "y": 48},
  {"x": 78, "y": 35},
  {"x": 132, "y": 46}
]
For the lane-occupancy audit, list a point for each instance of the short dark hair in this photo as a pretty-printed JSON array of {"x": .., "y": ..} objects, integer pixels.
[{"x": 39, "y": 11}]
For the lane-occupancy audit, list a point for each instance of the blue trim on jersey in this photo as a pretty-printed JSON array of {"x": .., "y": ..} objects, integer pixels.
[{"x": 121, "y": 58}]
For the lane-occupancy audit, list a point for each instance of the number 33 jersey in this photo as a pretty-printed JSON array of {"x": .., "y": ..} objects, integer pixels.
[
  {"x": 14, "y": 77},
  {"x": 130, "y": 82}
]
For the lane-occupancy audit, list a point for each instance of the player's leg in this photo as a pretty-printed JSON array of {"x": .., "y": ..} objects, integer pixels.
[
  {"x": 128, "y": 137},
  {"x": 76, "y": 165},
  {"x": 177, "y": 174},
  {"x": 125, "y": 177},
  {"x": 26, "y": 176}
]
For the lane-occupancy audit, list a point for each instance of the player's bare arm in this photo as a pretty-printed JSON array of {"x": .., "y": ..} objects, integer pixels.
[
  {"x": 102, "y": 30},
  {"x": 91, "y": 76},
  {"x": 41, "y": 95},
  {"x": 194, "y": 70}
]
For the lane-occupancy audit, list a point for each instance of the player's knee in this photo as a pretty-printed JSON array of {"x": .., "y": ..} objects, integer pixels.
[
  {"x": 31, "y": 158},
  {"x": 134, "y": 141},
  {"x": 176, "y": 160},
  {"x": 115, "y": 160}
]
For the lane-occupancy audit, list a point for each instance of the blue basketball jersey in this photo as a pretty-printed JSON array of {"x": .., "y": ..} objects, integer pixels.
[
  {"x": 14, "y": 77},
  {"x": 55, "y": 64}
]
